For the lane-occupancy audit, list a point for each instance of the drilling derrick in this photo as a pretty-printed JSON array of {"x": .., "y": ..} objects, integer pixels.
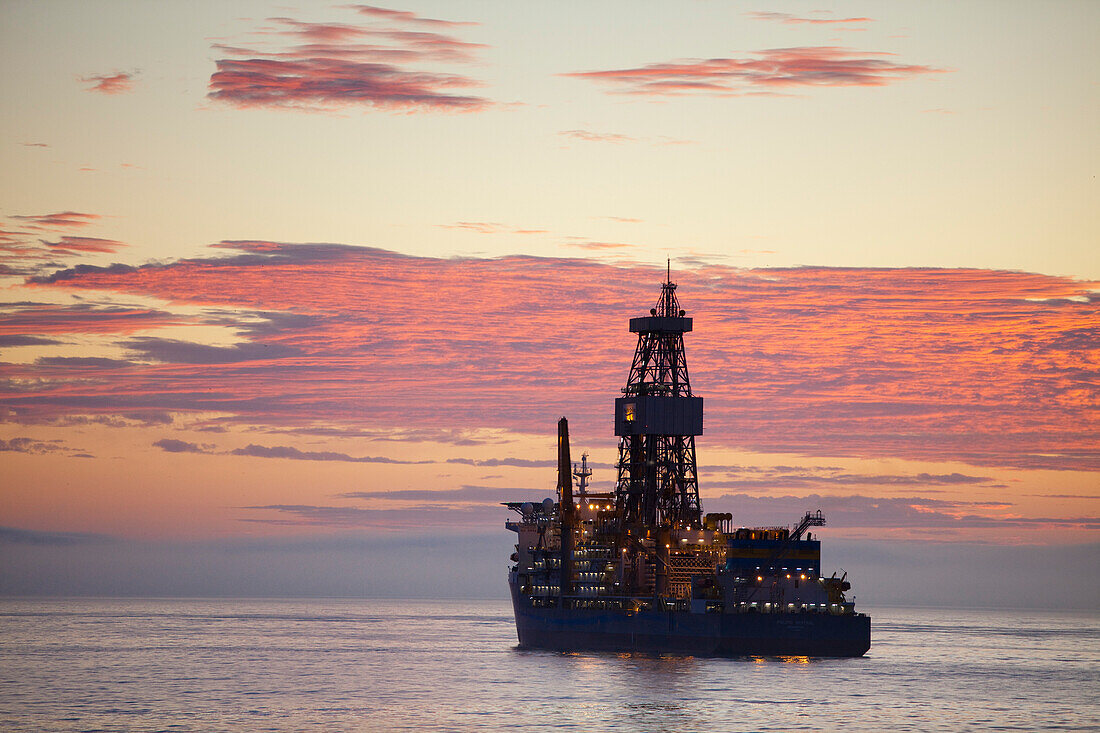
[
  {"x": 656, "y": 420},
  {"x": 638, "y": 568}
]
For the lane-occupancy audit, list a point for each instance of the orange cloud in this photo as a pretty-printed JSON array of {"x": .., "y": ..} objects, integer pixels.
[
  {"x": 599, "y": 245},
  {"x": 59, "y": 220},
  {"x": 115, "y": 83},
  {"x": 796, "y": 20},
  {"x": 490, "y": 227}
]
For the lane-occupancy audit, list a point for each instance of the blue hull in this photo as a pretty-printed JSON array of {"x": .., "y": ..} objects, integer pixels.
[{"x": 699, "y": 634}]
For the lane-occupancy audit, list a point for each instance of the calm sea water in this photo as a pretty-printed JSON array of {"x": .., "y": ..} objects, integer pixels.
[{"x": 344, "y": 665}]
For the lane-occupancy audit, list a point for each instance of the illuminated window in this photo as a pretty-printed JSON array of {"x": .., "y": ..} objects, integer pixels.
[{"x": 628, "y": 411}]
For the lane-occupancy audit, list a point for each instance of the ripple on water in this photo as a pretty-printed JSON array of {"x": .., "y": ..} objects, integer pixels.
[{"x": 250, "y": 666}]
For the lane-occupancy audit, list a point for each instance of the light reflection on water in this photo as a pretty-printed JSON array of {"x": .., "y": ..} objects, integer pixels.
[{"x": 270, "y": 665}]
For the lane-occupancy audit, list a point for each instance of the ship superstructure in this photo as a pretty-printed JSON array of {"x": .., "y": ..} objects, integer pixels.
[{"x": 642, "y": 568}]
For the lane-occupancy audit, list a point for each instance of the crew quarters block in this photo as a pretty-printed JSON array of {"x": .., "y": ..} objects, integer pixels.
[
  {"x": 660, "y": 324},
  {"x": 658, "y": 416},
  {"x": 749, "y": 551}
]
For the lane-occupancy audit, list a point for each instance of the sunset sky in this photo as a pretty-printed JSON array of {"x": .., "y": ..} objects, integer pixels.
[{"x": 294, "y": 295}]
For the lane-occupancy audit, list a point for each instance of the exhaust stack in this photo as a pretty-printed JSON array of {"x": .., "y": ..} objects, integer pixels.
[{"x": 565, "y": 499}]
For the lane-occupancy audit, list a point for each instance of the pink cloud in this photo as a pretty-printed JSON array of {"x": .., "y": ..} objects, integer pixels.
[
  {"x": 335, "y": 38},
  {"x": 770, "y": 70},
  {"x": 25, "y": 253},
  {"x": 434, "y": 45},
  {"x": 796, "y": 20},
  {"x": 490, "y": 227},
  {"x": 77, "y": 245},
  {"x": 978, "y": 366},
  {"x": 22, "y": 259},
  {"x": 322, "y": 32},
  {"x": 403, "y": 16},
  {"x": 598, "y": 137},
  {"x": 59, "y": 220},
  {"x": 9, "y": 236},
  {"x": 39, "y": 319},
  {"x": 115, "y": 83},
  {"x": 325, "y": 82},
  {"x": 600, "y": 245},
  {"x": 481, "y": 227},
  {"x": 331, "y": 65}
]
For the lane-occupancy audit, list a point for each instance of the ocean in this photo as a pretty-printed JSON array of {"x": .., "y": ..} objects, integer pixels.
[{"x": 390, "y": 665}]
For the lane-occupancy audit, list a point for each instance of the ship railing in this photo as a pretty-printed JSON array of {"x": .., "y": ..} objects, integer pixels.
[
  {"x": 547, "y": 593},
  {"x": 832, "y": 609}
]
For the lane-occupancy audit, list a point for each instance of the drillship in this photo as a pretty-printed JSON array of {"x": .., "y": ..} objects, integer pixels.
[{"x": 642, "y": 569}]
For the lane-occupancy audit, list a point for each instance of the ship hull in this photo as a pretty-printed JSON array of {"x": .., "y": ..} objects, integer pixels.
[{"x": 698, "y": 634}]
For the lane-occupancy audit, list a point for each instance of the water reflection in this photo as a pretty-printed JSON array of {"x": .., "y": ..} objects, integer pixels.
[
  {"x": 795, "y": 660},
  {"x": 262, "y": 666}
]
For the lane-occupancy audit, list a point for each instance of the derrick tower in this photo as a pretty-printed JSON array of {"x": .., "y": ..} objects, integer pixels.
[{"x": 657, "y": 419}]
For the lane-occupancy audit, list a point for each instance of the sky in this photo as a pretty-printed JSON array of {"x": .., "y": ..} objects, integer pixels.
[{"x": 294, "y": 295}]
